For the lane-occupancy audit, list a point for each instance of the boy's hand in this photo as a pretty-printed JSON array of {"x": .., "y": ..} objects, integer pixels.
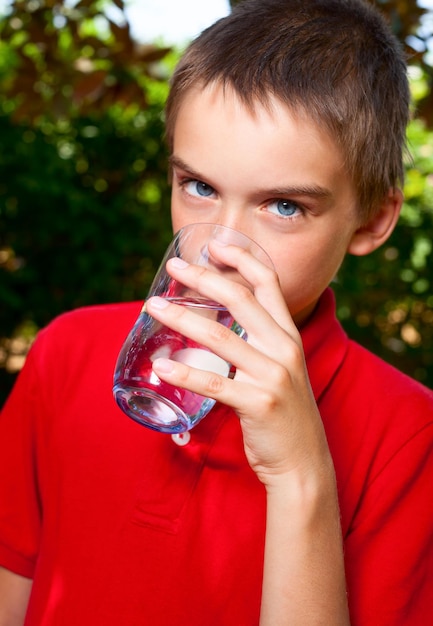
[
  {"x": 271, "y": 393},
  {"x": 283, "y": 435}
]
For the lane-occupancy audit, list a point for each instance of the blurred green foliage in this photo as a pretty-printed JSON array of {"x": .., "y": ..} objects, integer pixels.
[
  {"x": 84, "y": 193},
  {"x": 385, "y": 300}
]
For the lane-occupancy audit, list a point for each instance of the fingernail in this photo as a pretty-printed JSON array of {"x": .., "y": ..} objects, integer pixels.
[
  {"x": 164, "y": 366},
  {"x": 157, "y": 302},
  {"x": 178, "y": 262}
]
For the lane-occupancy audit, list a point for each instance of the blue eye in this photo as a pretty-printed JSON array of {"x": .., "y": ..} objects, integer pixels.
[
  {"x": 284, "y": 208},
  {"x": 197, "y": 188}
]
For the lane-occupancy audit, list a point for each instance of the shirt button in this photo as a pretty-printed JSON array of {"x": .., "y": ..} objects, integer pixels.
[{"x": 181, "y": 439}]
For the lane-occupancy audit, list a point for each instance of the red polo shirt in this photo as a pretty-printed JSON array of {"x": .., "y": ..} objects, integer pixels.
[{"x": 121, "y": 526}]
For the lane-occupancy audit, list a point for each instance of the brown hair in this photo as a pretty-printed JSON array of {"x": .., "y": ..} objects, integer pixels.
[{"x": 333, "y": 60}]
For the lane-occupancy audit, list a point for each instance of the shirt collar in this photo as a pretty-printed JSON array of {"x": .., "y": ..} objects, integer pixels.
[{"x": 325, "y": 344}]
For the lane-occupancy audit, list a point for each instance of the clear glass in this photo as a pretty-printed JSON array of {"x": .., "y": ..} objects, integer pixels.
[{"x": 137, "y": 389}]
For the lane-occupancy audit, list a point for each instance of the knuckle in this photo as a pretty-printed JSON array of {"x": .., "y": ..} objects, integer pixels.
[
  {"x": 268, "y": 401},
  {"x": 281, "y": 376},
  {"x": 218, "y": 332},
  {"x": 290, "y": 360},
  {"x": 201, "y": 276},
  {"x": 213, "y": 385},
  {"x": 271, "y": 277},
  {"x": 295, "y": 357},
  {"x": 183, "y": 374},
  {"x": 243, "y": 293},
  {"x": 271, "y": 396},
  {"x": 181, "y": 312}
]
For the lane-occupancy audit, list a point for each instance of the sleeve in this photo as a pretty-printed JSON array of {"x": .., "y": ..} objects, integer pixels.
[
  {"x": 389, "y": 550},
  {"x": 19, "y": 498}
]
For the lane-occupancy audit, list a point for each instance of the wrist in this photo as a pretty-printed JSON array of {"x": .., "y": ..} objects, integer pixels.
[{"x": 309, "y": 489}]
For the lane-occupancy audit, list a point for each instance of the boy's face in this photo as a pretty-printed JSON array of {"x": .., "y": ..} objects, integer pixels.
[{"x": 275, "y": 177}]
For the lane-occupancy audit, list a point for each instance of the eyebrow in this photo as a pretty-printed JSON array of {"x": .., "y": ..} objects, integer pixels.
[
  {"x": 315, "y": 191},
  {"x": 175, "y": 161}
]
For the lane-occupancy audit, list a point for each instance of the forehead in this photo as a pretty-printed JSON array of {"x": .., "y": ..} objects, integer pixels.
[
  {"x": 214, "y": 126},
  {"x": 219, "y": 103}
]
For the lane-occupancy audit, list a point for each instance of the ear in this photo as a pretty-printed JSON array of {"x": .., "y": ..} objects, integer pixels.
[{"x": 376, "y": 231}]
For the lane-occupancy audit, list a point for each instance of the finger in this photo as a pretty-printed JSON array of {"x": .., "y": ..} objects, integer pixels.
[
  {"x": 210, "y": 384},
  {"x": 247, "y": 304},
  {"x": 250, "y": 359},
  {"x": 202, "y": 330},
  {"x": 262, "y": 278}
]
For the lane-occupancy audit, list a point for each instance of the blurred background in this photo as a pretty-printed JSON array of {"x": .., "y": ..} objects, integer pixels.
[{"x": 84, "y": 195}]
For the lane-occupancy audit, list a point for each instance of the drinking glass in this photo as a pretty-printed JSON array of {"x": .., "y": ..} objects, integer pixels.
[{"x": 137, "y": 389}]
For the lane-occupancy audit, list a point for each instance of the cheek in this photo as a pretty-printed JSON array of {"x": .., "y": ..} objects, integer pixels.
[
  {"x": 177, "y": 220},
  {"x": 183, "y": 215},
  {"x": 305, "y": 271}
]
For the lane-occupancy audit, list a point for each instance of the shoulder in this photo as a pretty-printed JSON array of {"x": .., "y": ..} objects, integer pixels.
[
  {"x": 99, "y": 316},
  {"x": 356, "y": 388},
  {"x": 376, "y": 415},
  {"x": 83, "y": 336},
  {"x": 74, "y": 356},
  {"x": 87, "y": 324},
  {"x": 377, "y": 383},
  {"x": 381, "y": 402}
]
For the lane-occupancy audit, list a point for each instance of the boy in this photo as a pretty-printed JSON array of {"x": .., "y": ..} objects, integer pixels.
[{"x": 304, "y": 497}]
